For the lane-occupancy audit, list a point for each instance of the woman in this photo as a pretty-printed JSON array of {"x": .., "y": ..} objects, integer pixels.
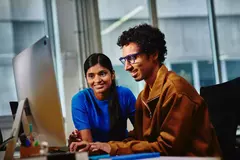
[{"x": 100, "y": 112}]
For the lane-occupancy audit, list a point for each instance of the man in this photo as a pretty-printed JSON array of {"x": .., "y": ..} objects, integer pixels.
[{"x": 171, "y": 117}]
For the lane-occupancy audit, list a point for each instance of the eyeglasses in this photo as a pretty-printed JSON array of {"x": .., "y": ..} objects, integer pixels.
[{"x": 130, "y": 58}]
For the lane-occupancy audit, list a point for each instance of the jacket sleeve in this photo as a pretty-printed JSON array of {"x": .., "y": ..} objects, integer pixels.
[{"x": 174, "y": 132}]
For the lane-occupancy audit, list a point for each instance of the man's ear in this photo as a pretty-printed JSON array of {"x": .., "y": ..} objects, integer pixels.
[{"x": 155, "y": 56}]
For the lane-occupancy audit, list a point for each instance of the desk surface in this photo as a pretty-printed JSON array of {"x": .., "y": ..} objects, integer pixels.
[
  {"x": 84, "y": 156},
  {"x": 184, "y": 158}
]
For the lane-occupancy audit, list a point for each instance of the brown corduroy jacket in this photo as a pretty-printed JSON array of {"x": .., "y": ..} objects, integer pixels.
[{"x": 171, "y": 118}]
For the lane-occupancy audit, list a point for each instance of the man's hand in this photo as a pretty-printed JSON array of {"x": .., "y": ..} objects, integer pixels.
[
  {"x": 79, "y": 146},
  {"x": 100, "y": 146}
]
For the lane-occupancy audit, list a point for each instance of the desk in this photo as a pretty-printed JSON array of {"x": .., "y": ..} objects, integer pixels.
[
  {"x": 129, "y": 156},
  {"x": 156, "y": 157},
  {"x": 177, "y": 158},
  {"x": 183, "y": 158},
  {"x": 53, "y": 156},
  {"x": 84, "y": 156}
]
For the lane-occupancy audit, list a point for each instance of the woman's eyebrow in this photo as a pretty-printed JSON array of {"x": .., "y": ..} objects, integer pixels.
[
  {"x": 98, "y": 72},
  {"x": 102, "y": 71}
]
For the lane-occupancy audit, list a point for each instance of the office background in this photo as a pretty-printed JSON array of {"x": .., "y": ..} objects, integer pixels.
[{"x": 78, "y": 28}]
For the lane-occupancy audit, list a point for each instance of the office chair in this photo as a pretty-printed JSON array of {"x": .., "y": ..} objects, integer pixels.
[{"x": 223, "y": 102}]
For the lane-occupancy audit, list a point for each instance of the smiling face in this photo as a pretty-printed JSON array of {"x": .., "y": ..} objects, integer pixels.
[
  {"x": 99, "y": 79},
  {"x": 144, "y": 66}
]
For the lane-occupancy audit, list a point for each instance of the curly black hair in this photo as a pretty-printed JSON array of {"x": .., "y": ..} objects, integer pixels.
[{"x": 148, "y": 38}]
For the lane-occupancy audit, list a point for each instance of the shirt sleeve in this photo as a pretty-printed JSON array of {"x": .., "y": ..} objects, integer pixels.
[
  {"x": 131, "y": 106},
  {"x": 174, "y": 131},
  {"x": 79, "y": 113}
]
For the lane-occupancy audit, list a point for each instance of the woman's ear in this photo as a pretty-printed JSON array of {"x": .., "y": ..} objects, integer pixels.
[{"x": 113, "y": 75}]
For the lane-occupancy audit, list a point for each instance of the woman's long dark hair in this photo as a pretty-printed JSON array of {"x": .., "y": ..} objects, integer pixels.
[{"x": 113, "y": 104}]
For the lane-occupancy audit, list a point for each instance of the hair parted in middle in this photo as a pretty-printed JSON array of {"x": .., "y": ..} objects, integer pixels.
[{"x": 113, "y": 104}]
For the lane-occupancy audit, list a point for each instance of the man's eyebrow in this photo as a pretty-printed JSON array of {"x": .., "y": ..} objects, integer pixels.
[{"x": 127, "y": 56}]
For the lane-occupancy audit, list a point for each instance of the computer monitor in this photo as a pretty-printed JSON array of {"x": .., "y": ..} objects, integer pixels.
[
  {"x": 36, "y": 87},
  {"x": 35, "y": 80}
]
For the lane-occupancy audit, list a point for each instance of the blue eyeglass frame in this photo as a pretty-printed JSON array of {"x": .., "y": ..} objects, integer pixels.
[{"x": 128, "y": 57}]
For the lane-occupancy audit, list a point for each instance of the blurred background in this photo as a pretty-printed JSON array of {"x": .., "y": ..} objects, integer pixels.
[{"x": 202, "y": 39}]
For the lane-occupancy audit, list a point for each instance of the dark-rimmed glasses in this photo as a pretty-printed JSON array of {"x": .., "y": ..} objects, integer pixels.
[{"x": 130, "y": 58}]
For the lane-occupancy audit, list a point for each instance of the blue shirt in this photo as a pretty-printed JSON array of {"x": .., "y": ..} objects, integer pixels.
[{"x": 90, "y": 113}]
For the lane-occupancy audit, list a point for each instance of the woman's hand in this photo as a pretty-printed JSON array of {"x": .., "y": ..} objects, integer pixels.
[
  {"x": 79, "y": 146},
  {"x": 75, "y": 136},
  {"x": 100, "y": 146}
]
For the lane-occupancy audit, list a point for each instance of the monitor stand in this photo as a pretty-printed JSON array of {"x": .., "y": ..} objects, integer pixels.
[{"x": 20, "y": 116}]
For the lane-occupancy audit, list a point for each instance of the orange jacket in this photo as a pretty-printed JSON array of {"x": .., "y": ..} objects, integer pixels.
[{"x": 172, "y": 119}]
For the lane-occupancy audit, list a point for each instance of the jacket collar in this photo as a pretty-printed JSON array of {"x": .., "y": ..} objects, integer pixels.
[{"x": 147, "y": 94}]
